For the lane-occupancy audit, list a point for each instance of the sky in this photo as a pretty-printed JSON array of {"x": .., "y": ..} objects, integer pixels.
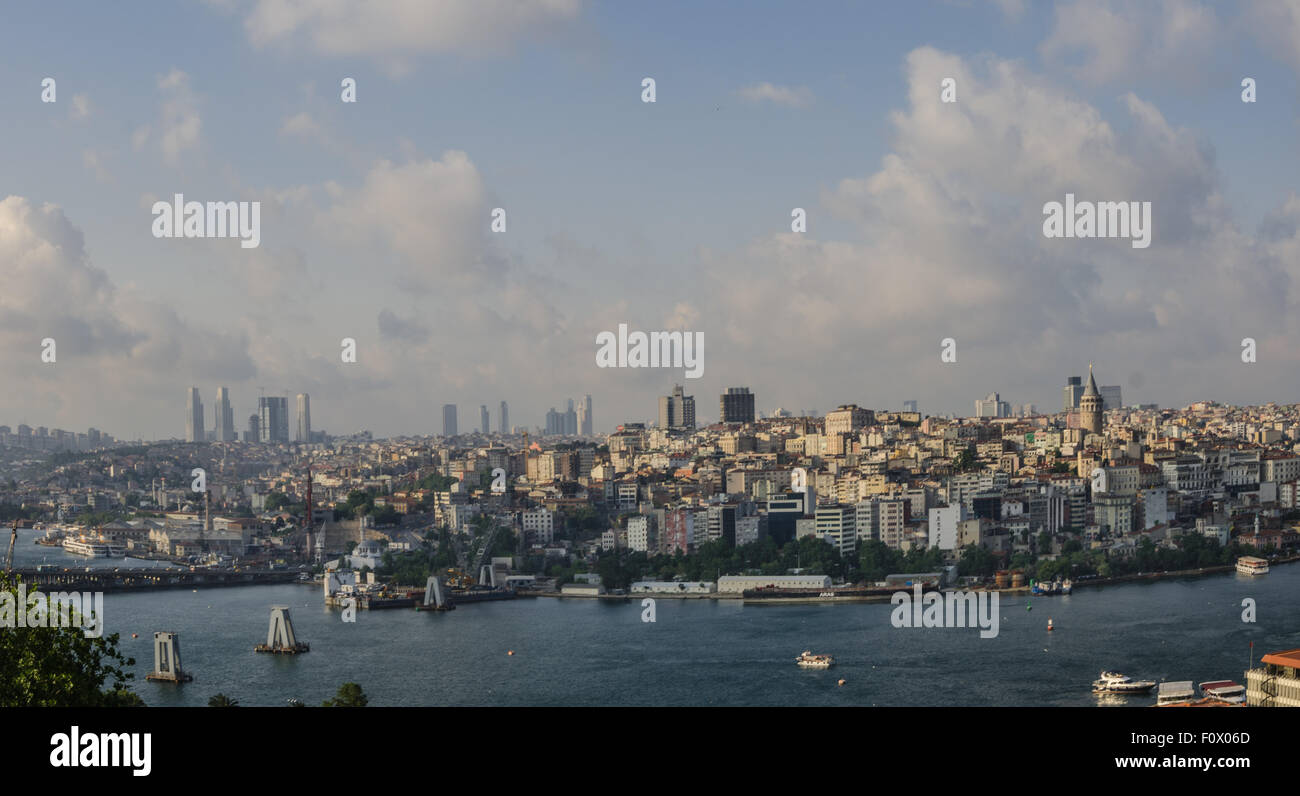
[{"x": 924, "y": 217}]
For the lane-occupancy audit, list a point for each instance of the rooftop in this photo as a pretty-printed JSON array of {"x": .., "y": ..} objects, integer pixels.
[{"x": 1286, "y": 658}]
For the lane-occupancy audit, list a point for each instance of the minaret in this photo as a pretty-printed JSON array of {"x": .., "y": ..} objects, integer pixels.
[{"x": 1090, "y": 419}]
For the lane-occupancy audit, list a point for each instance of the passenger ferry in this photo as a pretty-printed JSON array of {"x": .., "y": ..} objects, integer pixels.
[
  {"x": 806, "y": 658},
  {"x": 1225, "y": 691},
  {"x": 1116, "y": 683},
  {"x": 1174, "y": 691},
  {"x": 1252, "y": 565},
  {"x": 94, "y": 548}
]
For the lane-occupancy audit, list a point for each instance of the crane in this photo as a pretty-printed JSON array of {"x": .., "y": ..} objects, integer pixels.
[{"x": 9, "y": 557}]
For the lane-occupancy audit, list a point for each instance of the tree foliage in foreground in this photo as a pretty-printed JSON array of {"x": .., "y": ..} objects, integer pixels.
[{"x": 59, "y": 666}]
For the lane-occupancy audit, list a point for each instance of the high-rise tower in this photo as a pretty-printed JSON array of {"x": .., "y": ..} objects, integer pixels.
[
  {"x": 584, "y": 416},
  {"x": 194, "y": 431},
  {"x": 225, "y": 417},
  {"x": 304, "y": 417}
]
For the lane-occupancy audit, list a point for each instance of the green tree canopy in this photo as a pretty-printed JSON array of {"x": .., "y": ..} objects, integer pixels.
[
  {"x": 59, "y": 666},
  {"x": 349, "y": 695}
]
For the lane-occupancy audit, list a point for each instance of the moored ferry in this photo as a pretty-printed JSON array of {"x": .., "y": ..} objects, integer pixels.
[
  {"x": 94, "y": 548},
  {"x": 1252, "y": 565},
  {"x": 1228, "y": 691}
]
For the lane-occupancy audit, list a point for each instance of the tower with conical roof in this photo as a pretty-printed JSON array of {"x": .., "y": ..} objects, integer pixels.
[{"x": 1090, "y": 406}]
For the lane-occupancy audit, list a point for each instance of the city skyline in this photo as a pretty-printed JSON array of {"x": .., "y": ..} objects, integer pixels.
[{"x": 678, "y": 408}]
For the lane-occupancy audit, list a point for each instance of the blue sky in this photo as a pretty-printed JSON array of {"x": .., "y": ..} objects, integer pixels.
[{"x": 675, "y": 212}]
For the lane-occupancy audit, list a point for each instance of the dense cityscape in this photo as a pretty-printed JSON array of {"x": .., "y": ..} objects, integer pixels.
[{"x": 1095, "y": 489}]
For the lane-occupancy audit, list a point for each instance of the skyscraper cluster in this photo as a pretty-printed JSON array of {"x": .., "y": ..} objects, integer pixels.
[
  {"x": 270, "y": 424},
  {"x": 575, "y": 420}
]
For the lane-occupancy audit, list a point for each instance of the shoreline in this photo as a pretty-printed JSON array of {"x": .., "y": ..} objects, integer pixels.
[{"x": 1143, "y": 577}]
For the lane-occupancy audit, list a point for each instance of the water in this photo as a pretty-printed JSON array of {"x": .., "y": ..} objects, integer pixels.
[
  {"x": 28, "y": 555},
  {"x": 706, "y": 652}
]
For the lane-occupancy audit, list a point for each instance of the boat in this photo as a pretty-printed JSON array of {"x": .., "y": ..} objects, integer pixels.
[
  {"x": 806, "y": 658},
  {"x": 94, "y": 548},
  {"x": 53, "y": 537},
  {"x": 1116, "y": 683},
  {"x": 1252, "y": 565},
  {"x": 1051, "y": 587},
  {"x": 1224, "y": 691},
  {"x": 1174, "y": 691}
]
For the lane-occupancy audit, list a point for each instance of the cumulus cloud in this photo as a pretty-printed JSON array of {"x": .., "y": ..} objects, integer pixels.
[
  {"x": 1102, "y": 41},
  {"x": 116, "y": 351},
  {"x": 430, "y": 215},
  {"x": 949, "y": 244}
]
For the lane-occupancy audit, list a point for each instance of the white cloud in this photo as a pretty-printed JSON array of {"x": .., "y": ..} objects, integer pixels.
[
  {"x": 430, "y": 215},
  {"x": 80, "y": 106},
  {"x": 1101, "y": 41},
  {"x": 300, "y": 124},
  {"x": 179, "y": 124},
  {"x": 116, "y": 351},
  {"x": 948, "y": 243},
  {"x": 777, "y": 95},
  {"x": 386, "y": 28},
  {"x": 1276, "y": 23}
]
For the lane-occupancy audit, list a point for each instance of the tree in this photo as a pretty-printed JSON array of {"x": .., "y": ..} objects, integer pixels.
[
  {"x": 350, "y": 695},
  {"x": 222, "y": 701},
  {"x": 276, "y": 501},
  {"x": 59, "y": 666}
]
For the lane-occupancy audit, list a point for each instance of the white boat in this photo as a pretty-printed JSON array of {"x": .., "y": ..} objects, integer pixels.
[
  {"x": 806, "y": 658},
  {"x": 1116, "y": 683},
  {"x": 1224, "y": 691},
  {"x": 1175, "y": 691},
  {"x": 1252, "y": 565},
  {"x": 94, "y": 548}
]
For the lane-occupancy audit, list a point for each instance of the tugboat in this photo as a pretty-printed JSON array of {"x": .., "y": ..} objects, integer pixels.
[
  {"x": 1116, "y": 683},
  {"x": 806, "y": 658}
]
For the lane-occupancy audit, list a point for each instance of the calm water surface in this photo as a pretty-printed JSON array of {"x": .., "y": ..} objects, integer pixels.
[{"x": 701, "y": 652}]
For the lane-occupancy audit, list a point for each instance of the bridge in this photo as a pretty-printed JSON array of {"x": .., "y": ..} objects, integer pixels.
[{"x": 106, "y": 580}]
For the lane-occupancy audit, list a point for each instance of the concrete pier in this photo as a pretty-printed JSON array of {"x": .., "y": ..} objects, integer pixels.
[
  {"x": 280, "y": 638},
  {"x": 167, "y": 659}
]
